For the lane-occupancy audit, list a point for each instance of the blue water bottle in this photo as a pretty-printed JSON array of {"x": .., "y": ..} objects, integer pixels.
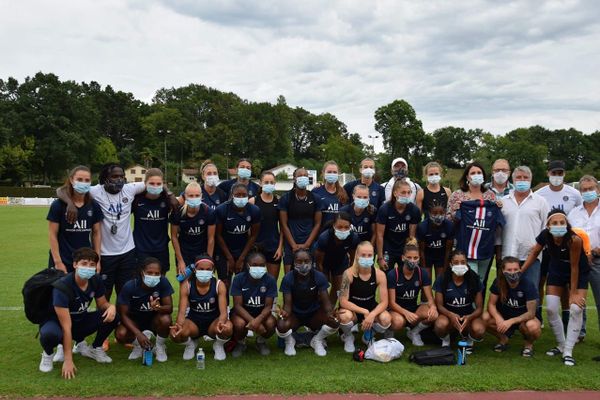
[
  {"x": 189, "y": 270},
  {"x": 147, "y": 357},
  {"x": 462, "y": 352}
]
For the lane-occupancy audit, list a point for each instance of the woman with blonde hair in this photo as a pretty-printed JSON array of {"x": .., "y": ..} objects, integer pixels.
[
  {"x": 331, "y": 194},
  {"x": 433, "y": 191},
  {"x": 212, "y": 195}
]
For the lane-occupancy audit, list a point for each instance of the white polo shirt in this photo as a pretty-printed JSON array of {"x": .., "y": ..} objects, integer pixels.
[
  {"x": 414, "y": 187},
  {"x": 117, "y": 211},
  {"x": 579, "y": 218},
  {"x": 524, "y": 222},
  {"x": 565, "y": 199}
]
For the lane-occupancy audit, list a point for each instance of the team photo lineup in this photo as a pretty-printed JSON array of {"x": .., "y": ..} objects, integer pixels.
[{"x": 490, "y": 263}]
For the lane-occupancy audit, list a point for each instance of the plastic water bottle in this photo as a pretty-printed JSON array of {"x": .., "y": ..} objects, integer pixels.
[
  {"x": 462, "y": 353},
  {"x": 186, "y": 273},
  {"x": 368, "y": 335},
  {"x": 386, "y": 258},
  {"x": 147, "y": 357},
  {"x": 200, "y": 358}
]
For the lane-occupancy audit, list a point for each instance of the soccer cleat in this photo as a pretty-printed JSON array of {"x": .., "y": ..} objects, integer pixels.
[
  {"x": 59, "y": 356},
  {"x": 190, "y": 349},
  {"x": 415, "y": 338},
  {"x": 262, "y": 346},
  {"x": 161, "y": 352},
  {"x": 318, "y": 345},
  {"x": 348, "y": 339},
  {"x": 46, "y": 362}
]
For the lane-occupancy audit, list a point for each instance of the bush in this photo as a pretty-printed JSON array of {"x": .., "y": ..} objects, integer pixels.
[{"x": 8, "y": 191}]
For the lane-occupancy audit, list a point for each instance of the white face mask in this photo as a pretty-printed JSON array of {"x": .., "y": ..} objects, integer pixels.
[
  {"x": 556, "y": 180},
  {"x": 500, "y": 177},
  {"x": 212, "y": 180},
  {"x": 434, "y": 179},
  {"x": 459, "y": 269},
  {"x": 368, "y": 172}
]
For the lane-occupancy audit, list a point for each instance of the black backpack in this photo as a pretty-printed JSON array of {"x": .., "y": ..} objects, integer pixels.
[
  {"x": 438, "y": 356},
  {"x": 37, "y": 294}
]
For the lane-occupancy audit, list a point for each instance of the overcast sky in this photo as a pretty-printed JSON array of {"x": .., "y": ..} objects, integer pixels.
[{"x": 476, "y": 64}]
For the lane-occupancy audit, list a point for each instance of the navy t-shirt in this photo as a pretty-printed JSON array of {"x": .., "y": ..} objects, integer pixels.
[
  {"x": 308, "y": 301},
  {"x": 268, "y": 236},
  {"x": 396, "y": 226},
  {"x": 362, "y": 224},
  {"x": 458, "y": 299},
  {"x": 236, "y": 226},
  {"x": 435, "y": 238},
  {"x": 301, "y": 214},
  {"x": 74, "y": 236},
  {"x": 193, "y": 231},
  {"x": 407, "y": 290},
  {"x": 214, "y": 200},
  {"x": 330, "y": 204},
  {"x": 336, "y": 254},
  {"x": 151, "y": 223},
  {"x": 226, "y": 186},
  {"x": 376, "y": 192},
  {"x": 82, "y": 299},
  {"x": 516, "y": 299},
  {"x": 137, "y": 297},
  {"x": 476, "y": 228},
  {"x": 254, "y": 292}
]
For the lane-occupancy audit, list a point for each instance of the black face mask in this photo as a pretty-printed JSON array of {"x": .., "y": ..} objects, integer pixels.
[
  {"x": 512, "y": 277},
  {"x": 401, "y": 173},
  {"x": 114, "y": 186}
]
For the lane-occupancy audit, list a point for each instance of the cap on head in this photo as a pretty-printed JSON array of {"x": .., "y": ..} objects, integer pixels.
[
  {"x": 556, "y": 165},
  {"x": 399, "y": 159}
]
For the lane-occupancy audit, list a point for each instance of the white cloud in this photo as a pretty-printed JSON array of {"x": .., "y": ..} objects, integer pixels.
[{"x": 496, "y": 66}]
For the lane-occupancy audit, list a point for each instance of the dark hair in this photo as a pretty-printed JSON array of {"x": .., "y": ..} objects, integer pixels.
[
  {"x": 294, "y": 176},
  {"x": 436, "y": 203},
  {"x": 106, "y": 170},
  {"x": 303, "y": 251},
  {"x": 463, "y": 181},
  {"x": 342, "y": 215},
  {"x": 204, "y": 256},
  {"x": 85, "y": 253},
  {"x": 236, "y": 186},
  {"x": 69, "y": 187},
  {"x": 471, "y": 277},
  {"x": 501, "y": 279},
  {"x": 553, "y": 248},
  {"x": 245, "y": 159},
  {"x": 148, "y": 261},
  {"x": 252, "y": 254}
]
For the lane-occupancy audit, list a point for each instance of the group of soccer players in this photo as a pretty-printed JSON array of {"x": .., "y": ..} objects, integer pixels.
[{"x": 358, "y": 257}]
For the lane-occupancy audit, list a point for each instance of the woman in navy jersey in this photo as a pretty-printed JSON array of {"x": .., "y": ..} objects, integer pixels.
[
  {"x": 151, "y": 221},
  {"x": 397, "y": 220},
  {"x": 405, "y": 283},
  {"x": 206, "y": 298},
  {"x": 192, "y": 228},
  {"x": 238, "y": 224},
  {"x": 335, "y": 251},
  {"x": 435, "y": 235},
  {"x": 459, "y": 301},
  {"x": 305, "y": 303},
  {"x": 270, "y": 237},
  {"x": 212, "y": 195},
  {"x": 331, "y": 194},
  {"x": 253, "y": 292},
  {"x": 363, "y": 214},
  {"x": 67, "y": 237},
  {"x": 244, "y": 172},
  {"x": 374, "y": 189},
  {"x": 568, "y": 271},
  {"x": 358, "y": 298},
  {"x": 433, "y": 192},
  {"x": 512, "y": 306},
  {"x": 300, "y": 217},
  {"x": 145, "y": 306}
]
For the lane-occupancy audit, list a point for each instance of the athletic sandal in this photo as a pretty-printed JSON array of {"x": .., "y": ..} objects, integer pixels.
[
  {"x": 569, "y": 361},
  {"x": 555, "y": 351},
  {"x": 500, "y": 347},
  {"x": 527, "y": 352}
]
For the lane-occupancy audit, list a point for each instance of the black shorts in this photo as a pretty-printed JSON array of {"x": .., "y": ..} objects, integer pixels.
[
  {"x": 270, "y": 256},
  {"x": 556, "y": 278},
  {"x": 544, "y": 264},
  {"x": 334, "y": 270},
  {"x": 117, "y": 270},
  {"x": 162, "y": 256},
  {"x": 305, "y": 318},
  {"x": 221, "y": 268},
  {"x": 434, "y": 263},
  {"x": 144, "y": 321},
  {"x": 361, "y": 317},
  {"x": 202, "y": 325}
]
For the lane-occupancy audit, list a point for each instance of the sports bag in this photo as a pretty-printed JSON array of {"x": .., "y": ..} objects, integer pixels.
[
  {"x": 438, "y": 356},
  {"x": 37, "y": 294}
]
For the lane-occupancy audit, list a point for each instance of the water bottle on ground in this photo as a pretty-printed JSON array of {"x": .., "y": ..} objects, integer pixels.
[
  {"x": 200, "y": 358},
  {"x": 462, "y": 352},
  {"x": 147, "y": 357}
]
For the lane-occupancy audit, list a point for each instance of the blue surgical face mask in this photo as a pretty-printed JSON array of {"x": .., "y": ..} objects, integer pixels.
[
  {"x": 476, "y": 180},
  {"x": 361, "y": 203},
  {"x": 204, "y": 275},
  {"x": 522, "y": 186},
  {"x": 302, "y": 182},
  {"x": 434, "y": 179},
  {"x": 365, "y": 262},
  {"x": 331, "y": 178},
  {"x": 368, "y": 173},
  {"x": 403, "y": 200},
  {"x": 257, "y": 272},
  {"x": 558, "y": 230},
  {"x": 81, "y": 187},
  {"x": 268, "y": 188},
  {"x": 589, "y": 196},
  {"x": 155, "y": 190},
  {"x": 244, "y": 173},
  {"x": 193, "y": 203},
  {"x": 151, "y": 280},
  {"x": 212, "y": 180},
  {"x": 342, "y": 235},
  {"x": 240, "y": 202},
  {"x": 86, "y": 273}
]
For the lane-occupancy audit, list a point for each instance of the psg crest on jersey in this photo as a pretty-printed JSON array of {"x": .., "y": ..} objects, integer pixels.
[
  {"x": 443, "y": 235},
  {"x": 212, "y": 300},
  {"x": 489, "y": 214},
  {"x": 90, "y": 213},
  {"x": 248, "y": 218},
  {"x": 407, "y": 218},
  {"x": 155, "y": 295},
  {"x": 565, "y": 198},
  {"x": 373, "y": 193},
  {"x": 125, "y": 200},
  {"x": 263, "y": 289},
  {"x": 163, "y": 204},
  {"x": 520, "y": 294}
]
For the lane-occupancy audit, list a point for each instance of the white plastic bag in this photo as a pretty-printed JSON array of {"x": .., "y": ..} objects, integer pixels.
[{"x": 384, "y": 350}]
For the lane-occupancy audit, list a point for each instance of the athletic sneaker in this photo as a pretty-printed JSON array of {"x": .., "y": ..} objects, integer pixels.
[
  {"x": 354, "y": 328},
  {"x": 415, "y": 338},
  {"x": 219, "y": 350},
  {"x": 136, "y": 352},
  {"x": 238, "y": 350},
  {"x": 262, "y": 346},
  {"x": 290, "y": 346},
  {"x": 446, "y": 341},
  {"x": 317, "y": 345},
  {"x": 190, "y": 349},
  {"x": 46, "y": 362},
  {"x": 59, "y": 356},
  {"x": 78, "y": 347},
  {"x": 160, "y": 350},
  {"x": 348, "y": 339},
  {"x": 97, "y": 354}
]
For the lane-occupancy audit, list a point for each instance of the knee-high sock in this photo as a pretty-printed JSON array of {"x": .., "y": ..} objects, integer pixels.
[
  {"x": 573, "y": 329},
  {"x": 553, "y": 310},
  {"x": 347, "y": 328},
  {"x": 325, "y": 331}
]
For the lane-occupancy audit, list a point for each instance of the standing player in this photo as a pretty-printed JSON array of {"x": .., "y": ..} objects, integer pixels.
[
  {"x": 433, "y": 192},
  {"x": 435, "y": 235},
  {"x": 363, "y": 214},
  {"x": 244, "y": 172},
  {"x": 375, "y": 191},
  {"x": 332, "y": 196}
]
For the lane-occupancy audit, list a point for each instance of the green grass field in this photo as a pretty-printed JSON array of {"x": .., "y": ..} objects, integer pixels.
[{"x": 24, "y": 251}]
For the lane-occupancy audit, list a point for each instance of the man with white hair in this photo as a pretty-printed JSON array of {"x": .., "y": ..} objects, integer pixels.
[{"x": 399, "y": 170}]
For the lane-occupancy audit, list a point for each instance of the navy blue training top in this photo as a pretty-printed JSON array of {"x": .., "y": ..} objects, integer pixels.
[
  {"x": 305, "y": 293},
  {"x": 82, "y": 299},
  {"x": 236, "y": 226},
  {"x": 435, "y": 238},
  {"x": 330, "y": 204},
  {"x": 301, "y": 213},
  {"x": 362, "y": 224},
  {"x": 254, "y": 292},
  {"x": 396, "y": 226},
  {"x": 193, "y": 231},
  {"x": 137, "y": 297},
  {"x": 376, "y": 192},
  {"x": 151, "y": 223},
  {"x": 408, "y": 290},
  {"x": 516, "y": 298}
]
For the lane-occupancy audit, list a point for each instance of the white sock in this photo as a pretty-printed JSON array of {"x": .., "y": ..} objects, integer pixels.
[
  {"x": 284, "y": 334},
  {"x": 135, "y": 343},
  {"x": 555, "y": 320},
  {"x": 160, "y": 340},
  {"x": 220, "y": 340},
  {"x": 417, "y": 329},
  {"x": 347, "y": 328},
  {"x": 325, "y": 331},
  {"x": 377, "y": 327},
  {"x": 445, "y": 340},
  {"x": 573, "y": 329}
]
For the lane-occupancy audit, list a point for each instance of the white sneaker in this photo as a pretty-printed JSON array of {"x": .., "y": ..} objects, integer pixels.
[
  {"x": 290, "y": 346},
  {"x": 415, "y": 338},
  {"x": 78, "y": 347},
  {"x": 388, "y": 334},
  {"x": 160, "y": 350},
  {"x": 262, "y": 346},
  {"x": 354, "y": 328},
  {"x": 238, "y": 350},
  {"x": 59, "y": 356},
  {"x": 348, "y": 339},
  {"x": 190, "y": 349},
  {"x": 46, "y": 362},
  {"x": 446, "y": 341},
  {"x": 136, "y": 353},
  {"x": 250, "y": 334},
  {"x": 219, "y": 350},
  {"x": 318, "y": 346},
  {"x": 99, "y": 355}
]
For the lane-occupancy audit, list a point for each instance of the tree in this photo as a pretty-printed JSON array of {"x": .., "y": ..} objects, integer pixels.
[
  {"x": 454, "y": 147},
  {"x": 105, "y": 152}
]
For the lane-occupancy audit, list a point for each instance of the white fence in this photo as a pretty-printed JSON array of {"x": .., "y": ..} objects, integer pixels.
[{"x": 25, "y": 201}]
